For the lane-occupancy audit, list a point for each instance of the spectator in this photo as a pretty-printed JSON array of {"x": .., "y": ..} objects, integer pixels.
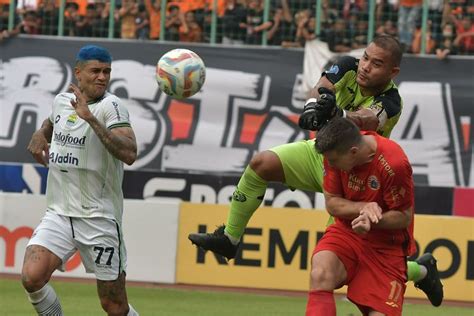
[
  {"x": 101, "y": 23},
  {"x": 48, "y": 15},
  {"x": 174, "y": 21},
  {"x": 305, "y": 27},
  {"x": 233, "y": 23},
  {"x": 194, "y": 30},
  {"x": 338, "y": 38},
  {"x": 360, "y": 38},
  {"x": 465, "y": 35},
  {"x": 154, "y": 15},
  {"x": 71, "y": 17},
  {"x": 446, "y": 46},
  {"x": 287, "y": 28},
  {"x": 429, "y": 42},
  {"x": 142, "y": 23},
  {"x": 273, "y": 34},
  {"x": 104, "y": 21},
  {"x": 23, "y": 6},
  {"x": 87, "y": 25},
  {"x": 128, "y": 13},
  {"x": 408, "y": 14},
  {"x": 388, "y": 27},
  {"x": 255, "y": 24},
  {"x": 435, "y": 15},
  {"x": 30, "y": 24},
  {"x": 5, "y": 14}
]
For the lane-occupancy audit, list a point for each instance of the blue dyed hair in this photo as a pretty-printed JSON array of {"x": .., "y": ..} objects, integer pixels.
[{"x": 93, "y": 52}]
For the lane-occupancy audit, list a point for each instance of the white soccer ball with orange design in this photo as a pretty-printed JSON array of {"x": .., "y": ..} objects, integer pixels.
[{"x": 180, "y": 73}]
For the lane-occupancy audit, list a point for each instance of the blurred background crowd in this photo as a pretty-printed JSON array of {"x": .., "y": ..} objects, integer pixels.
[{"x": 441, "y": 27}]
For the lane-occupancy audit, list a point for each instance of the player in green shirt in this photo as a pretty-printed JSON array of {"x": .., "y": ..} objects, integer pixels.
[{"x": 364, "y": 92}]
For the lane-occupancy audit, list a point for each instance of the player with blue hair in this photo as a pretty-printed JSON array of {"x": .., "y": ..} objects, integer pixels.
[{"x": 90, "y": 138}]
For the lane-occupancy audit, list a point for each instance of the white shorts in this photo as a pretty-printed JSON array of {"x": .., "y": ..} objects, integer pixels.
[{"x": 99, "y": 241}]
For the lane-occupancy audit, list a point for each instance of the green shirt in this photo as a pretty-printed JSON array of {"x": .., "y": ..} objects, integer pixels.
[{"x": 387, "y": 105}]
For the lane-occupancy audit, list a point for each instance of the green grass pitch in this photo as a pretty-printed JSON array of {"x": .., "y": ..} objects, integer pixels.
[{"x": 81, "y": 299}]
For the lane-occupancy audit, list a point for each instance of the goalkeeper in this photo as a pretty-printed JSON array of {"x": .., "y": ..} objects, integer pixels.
[{"x": 362, "y": 91}]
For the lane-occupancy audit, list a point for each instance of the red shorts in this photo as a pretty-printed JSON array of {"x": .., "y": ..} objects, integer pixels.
[{"x": 375, "y": 280}]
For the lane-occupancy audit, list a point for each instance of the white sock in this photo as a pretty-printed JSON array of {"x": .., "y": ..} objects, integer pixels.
[
  {"x": 423, "y": 272},
  {"x": 132, "y": 311},
  {"x": 232, "y": 239},
  {"x": 45, "y": 301}
]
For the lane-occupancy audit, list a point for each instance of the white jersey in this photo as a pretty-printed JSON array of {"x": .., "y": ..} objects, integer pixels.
[{"x": 84, "y": 179}]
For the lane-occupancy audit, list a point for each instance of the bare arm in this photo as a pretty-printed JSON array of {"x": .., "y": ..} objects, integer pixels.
[
  {"x": 365, "y": 119},
  {"x": 390, "y": 220},
  {"x": 323, "y": 82},
  {"x": 120, "y": 141},
  {"x": 341, "y": 207},
  {"x": 395, "y": 219},
  {"x": 38, "y": 146}
]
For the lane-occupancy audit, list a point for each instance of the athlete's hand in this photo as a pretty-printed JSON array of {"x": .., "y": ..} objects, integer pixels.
[
  {"x": 80, "y": 103},
  {"x": 39, "y": 148},
  {"x": 361, "y": 224},
  {"x": 326, "y": 108},
  {"x": 308, "y": 118},
  {"x": 317, "y": 112},
  {"x": 373, "y": 212}
]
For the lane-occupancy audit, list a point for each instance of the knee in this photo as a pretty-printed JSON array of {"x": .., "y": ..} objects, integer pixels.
[
  {"x": 323, "y": 278},
  {"x": 267, "y": 165},
  {"x": 113, "y": 308},
  {"x": 33, "y": 280}
]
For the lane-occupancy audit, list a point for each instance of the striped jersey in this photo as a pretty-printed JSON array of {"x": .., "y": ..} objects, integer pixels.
[{"x": 84, "y": 179}]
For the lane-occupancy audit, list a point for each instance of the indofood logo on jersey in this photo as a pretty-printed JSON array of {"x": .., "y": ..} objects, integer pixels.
[{"x": 68, "y": 140}]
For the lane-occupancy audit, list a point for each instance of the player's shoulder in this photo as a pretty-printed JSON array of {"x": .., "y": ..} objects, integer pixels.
[
  {"x": 109, "y": 98},
  {"x": 110, "y": 101},
  {"x": 340, "y": 67},
  {"x": 390, "y": 100},
  {"x": 344, "y": 63},
  {"x": 392, "y": 152},
  {"x": 63, "y": 99}
]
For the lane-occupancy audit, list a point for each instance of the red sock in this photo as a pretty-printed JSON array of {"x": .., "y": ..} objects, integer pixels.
[{"x": 321, "y": 303}]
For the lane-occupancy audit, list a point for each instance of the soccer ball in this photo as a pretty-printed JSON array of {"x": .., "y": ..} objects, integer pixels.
[{"x": 180, "y": 73}]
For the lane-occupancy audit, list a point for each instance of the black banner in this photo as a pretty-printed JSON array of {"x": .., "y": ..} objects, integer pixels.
[{"x": 250, "y": 102}]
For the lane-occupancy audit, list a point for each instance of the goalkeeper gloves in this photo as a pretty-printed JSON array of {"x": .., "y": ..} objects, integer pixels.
[{"x": 317, "y": 112}]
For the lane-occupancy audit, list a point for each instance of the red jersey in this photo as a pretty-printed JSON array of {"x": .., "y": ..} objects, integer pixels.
[{"x": 387, "y": 180}]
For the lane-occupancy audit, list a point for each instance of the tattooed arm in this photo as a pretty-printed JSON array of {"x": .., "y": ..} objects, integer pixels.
[
  {"x": 119, "y": 141},
  {"x": 38, "y": 146}
]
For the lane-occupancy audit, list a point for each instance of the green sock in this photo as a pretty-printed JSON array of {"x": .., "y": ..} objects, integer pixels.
[
  {"x": 413, "y": 271},
  {"x": 246, "y": 199}
]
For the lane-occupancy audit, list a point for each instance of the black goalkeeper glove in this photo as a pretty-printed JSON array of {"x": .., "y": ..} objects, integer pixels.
[{"x": 316, "y": 113}]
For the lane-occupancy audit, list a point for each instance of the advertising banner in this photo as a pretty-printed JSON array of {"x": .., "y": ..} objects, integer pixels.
[
  {"x": 250, "y": 102},
  {"x": 277, "y": 246},
  {"x": 149, "y": 230},
  {"x": 217, "y": 189}
]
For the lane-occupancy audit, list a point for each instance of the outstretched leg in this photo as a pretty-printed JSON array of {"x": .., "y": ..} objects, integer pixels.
[{"x": 295, "y": 164}]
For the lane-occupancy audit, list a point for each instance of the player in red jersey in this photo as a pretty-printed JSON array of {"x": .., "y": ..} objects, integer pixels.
[{"x": 368, "y": 187}]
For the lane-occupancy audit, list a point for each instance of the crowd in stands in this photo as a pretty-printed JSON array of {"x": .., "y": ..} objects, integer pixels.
[{"x": 343, "y": 23}]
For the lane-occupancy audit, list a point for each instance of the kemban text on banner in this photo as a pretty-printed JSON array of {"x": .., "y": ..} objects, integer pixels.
[{"x": 276, "y": 250}]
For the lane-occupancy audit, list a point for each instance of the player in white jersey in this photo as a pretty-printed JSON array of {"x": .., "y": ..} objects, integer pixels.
[{"x": 90, "y": 138}]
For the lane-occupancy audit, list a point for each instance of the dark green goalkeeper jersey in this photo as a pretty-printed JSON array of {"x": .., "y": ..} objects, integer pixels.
[{"x": 387, "y": 105}]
